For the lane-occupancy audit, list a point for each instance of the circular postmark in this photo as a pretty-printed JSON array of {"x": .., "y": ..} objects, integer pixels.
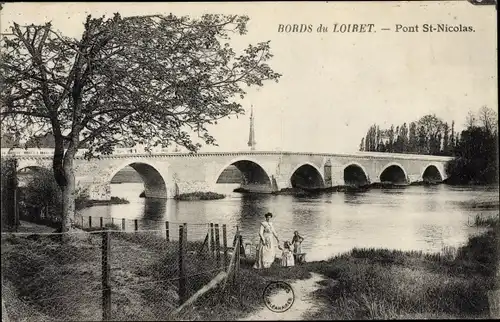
[{"x": 278, "y": 296}]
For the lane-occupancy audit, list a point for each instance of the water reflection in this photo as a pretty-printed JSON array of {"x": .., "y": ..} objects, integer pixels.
[
  {"x": 411, "y": 218},
  {"x": 154, "y": 209},
  {"x": 352, "y": 197}
]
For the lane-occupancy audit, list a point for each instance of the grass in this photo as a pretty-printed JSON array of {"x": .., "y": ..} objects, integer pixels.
[
  {"x": 490, "y": 221},
  {"x": 62, "y": 281},
  {"x": 199, "y": 196},
  {"x": 392, "y": 284},
  {"x": 479, "y": 204}
]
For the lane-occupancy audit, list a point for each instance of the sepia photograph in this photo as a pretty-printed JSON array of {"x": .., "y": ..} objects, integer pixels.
[{"x": 165, "y": 161}]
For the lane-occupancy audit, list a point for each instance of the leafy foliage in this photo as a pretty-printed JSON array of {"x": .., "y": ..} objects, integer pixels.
[
  {"x": 149, "y": 80},
  {"x": 8, "y": 188},
  {"x": 170, "y": 73},
  {"x": 475, "y": 149},
  {"x": 41, "y": 197},
  {"x": 428, "y": 135},
  {"x": 476, "y": 152}
]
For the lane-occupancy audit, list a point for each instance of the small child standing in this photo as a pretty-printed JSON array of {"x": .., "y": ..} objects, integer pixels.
[
  {"x": 287, "y": 259},
  {"x": 297, "y": 247}
]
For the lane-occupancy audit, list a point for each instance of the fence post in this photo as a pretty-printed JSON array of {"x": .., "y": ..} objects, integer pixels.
[
  {"x": 136, "y": 225},
  {"x": 242, "y": 247},
  {"x": 224, "y": 241},
  {"x": 182, "y": 263},
  {"x": 101, "y": 222},
  {"x": 217, "y": 243},
  {"x": 167, "y": 232},
  {"x": 236, "y": 255},
  {"x": 112, "y": 221},
  {"x": 237, "y": 264},
  {"x": 123, "y": 224},
  {"x": 106, "y": 276},
  {"x": 90, "y": 221},
  {"x": 212, "y": 238},
  {"x": 208, "y": 240},
  {"x": 16, "y": 207}
]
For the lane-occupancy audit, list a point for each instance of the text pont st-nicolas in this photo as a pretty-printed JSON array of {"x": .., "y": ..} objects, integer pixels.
[
  {"x": 370, "y": 28},
  {"x": 337, "y": 27}
]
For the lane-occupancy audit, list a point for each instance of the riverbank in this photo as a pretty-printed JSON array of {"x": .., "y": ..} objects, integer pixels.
[
  {"x": 393, "y": 284},
  {"x": 342, "y": 188},
  {"x": 361, "y": 284}
]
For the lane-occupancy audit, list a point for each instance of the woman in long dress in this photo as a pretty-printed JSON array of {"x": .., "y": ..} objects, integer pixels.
[{"x": 266, "y": 248}]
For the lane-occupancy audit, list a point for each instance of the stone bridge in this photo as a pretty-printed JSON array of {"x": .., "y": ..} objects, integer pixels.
[{"x": 166, "y": 175}]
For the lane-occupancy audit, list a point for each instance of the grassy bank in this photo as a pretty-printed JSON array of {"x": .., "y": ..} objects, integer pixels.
[
  {"x": 486, "y": 221},
  {"x": 199, "y": 196},
  {"x": 63, "y": 280},
  {"x": 388, "y": 284},
  {"x": 361, "y": 284},
  {"x": 381, "y": 284}
]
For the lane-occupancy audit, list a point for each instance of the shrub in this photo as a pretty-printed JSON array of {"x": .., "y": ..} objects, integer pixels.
[
  {"x": 200, "y": 196},
  {"x": 8, "y": 187}
]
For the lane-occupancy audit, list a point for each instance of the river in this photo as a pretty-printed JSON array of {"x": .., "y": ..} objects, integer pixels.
[{"x": 422, "y": 218}]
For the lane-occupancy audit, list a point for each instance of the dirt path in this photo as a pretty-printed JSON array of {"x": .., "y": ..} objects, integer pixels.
[
  {"x": 28, "y": 227},
  {"x": 303, "y": 304}
]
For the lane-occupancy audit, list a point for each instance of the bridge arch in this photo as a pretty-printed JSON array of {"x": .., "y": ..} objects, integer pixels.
[
  {"x": 254, "y": 176},
  {"x": 31, "y": 168},
  {"x": 26, "y": 173},
  {"x": 394, "y": 173},
  {"x": 307, "y": 175},
  {"x": 355, "y": 174},
  {"x": 432, "y": 173},
  {"x": 34, "y": 163},
  {"x": 154, "y": 182}
]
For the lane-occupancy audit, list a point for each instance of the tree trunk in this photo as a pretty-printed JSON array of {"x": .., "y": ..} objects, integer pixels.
[{"x": 68, "y": 193}]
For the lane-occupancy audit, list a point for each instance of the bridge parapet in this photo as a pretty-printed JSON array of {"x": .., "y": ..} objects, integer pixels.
[{"x": 126, "y": 152}]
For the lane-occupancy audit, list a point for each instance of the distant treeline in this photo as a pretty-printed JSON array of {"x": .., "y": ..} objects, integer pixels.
[
  {"x": 428, "y": 135},
  {"x": 475, "y": 149}
]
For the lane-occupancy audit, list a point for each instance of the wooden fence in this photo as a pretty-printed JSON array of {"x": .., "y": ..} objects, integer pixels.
[{"x": 214, "y": 245}]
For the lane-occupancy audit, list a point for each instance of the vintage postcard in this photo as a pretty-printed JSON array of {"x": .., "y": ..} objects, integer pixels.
[{"x": 249, "y": 160}]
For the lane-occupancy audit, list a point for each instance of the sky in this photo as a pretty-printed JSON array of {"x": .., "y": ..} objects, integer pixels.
[{"x": 334, "y": 85}]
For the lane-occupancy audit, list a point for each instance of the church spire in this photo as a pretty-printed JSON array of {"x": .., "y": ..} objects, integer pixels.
[{"x": 251, "y": 136}]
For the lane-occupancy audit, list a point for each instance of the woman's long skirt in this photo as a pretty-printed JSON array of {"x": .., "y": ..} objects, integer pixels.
[{"x": 265, "y": 253}]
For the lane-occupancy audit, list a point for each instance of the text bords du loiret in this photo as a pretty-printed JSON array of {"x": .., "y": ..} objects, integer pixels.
[{"x": 370, "y": 28}]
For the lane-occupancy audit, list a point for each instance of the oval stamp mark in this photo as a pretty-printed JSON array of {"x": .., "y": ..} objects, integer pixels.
[{"x": 278, "y": 296}]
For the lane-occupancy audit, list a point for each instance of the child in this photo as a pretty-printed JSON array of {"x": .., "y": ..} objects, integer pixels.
[
  {"x": 287, "y": 256},
  {"x": 297, "y": 247}
]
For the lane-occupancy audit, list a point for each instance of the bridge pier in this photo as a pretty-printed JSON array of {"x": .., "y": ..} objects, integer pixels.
[
  {"x": 182, "y": 187},
  {"x": 336, "y": 174},
  {"x": 414, "y": 178},
  {"x": 281, "y": 182}
]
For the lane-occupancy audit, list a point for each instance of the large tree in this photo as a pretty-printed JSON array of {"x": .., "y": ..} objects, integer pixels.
[
  {"x": 476, "y": 150},
  {"x": 152, "y": 80},
  {"x": 430, "y": 127}
]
